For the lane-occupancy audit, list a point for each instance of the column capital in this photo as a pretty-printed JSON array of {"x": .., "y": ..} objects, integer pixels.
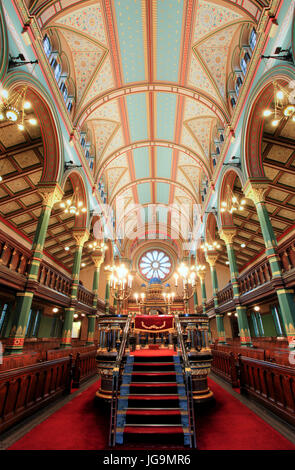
[
  {"x": 256, "y": 190},
  {"x": 80, "y": 237},
  {"x": 202, "y": 275},
  {"x": 228, "y": 235},
  {"x": 97, "y": 258},
  {"x": 50, "y": 194},
  {"x": 211, "y": 258}
]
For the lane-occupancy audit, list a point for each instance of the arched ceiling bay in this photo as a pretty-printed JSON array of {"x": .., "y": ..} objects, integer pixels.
[{"x": 150, "y": 71}]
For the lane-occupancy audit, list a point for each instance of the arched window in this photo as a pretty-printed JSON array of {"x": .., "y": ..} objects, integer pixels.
[
  {"x": 47, "y": 45},
  {"x": 155, "y": 263},
  {"x": 253, "y": 38},
  {"x": 57, "y": 71}
]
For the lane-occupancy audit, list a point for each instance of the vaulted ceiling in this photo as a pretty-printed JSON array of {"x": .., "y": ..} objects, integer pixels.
[{"x": 150, "y": 80}]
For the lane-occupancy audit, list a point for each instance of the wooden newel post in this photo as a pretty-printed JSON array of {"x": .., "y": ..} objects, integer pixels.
[
  {"x": 233, "y": 372},
  {"x": 69, "y": 375}
]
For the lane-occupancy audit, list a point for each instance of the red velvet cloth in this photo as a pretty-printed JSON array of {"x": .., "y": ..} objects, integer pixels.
[{"x": 153, "y": 324}]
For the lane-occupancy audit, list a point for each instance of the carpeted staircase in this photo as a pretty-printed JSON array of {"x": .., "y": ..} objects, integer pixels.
[{"x": 152, "y": 401}]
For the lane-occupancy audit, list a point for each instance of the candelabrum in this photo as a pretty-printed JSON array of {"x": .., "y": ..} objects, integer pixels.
[
  {"x": 168, "y": 298},
  {"x": 120, "y": 284},
  {"x": 187, "y": 277},
  {"x": 140, "y": 299}
]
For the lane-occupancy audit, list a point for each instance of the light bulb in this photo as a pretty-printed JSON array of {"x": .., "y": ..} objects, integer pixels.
[
  {"x": 11, "y": 114},
  {"x": 1, "y": 178},
  {"x": 21, "y": 127},
  {"x": 62, "y": 204},
  {"x": 243, "y": 245},
  {"x": 33, "y": 121},
  {"x": 83, "y": 264},
  {"x": 27, "y": 105},
  {"x": 267, "y": 112},
  {"x": 55, "y": 310},
  {"x": 280, "y": 95},
  {"x": 275, "y": 122},
  {"x": 67, "y": 248},
  {"x": 223, "y": 204},
  {"x": 1, "y": 117}
]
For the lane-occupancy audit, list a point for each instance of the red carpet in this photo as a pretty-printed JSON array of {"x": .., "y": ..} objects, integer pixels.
[
  {"x": 82, "y": 425},
  {"x": 153, "y": 352}
]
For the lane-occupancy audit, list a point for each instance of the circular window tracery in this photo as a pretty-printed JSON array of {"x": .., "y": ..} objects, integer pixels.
[{"x": 155, "y": 263}]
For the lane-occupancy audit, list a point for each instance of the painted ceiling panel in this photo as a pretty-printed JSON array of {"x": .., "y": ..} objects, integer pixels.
[
  {"x": 164, "y": 162},
  {"x": 211, "y": 16},
  {"x": 144, "y": 193},
  {"x": 141, "y": 162},
  {"x": 130, "y": 34},
  {"x": 166, "y": 108},
  {"x": 137, "y": 114},
  {"x": 88, "y": 20},
  {"x": 163, "y": 193},
  {"x": 102, "y": 82},
  {"x": 169, "y": 23},
  {"x": 86, "y": 56}
]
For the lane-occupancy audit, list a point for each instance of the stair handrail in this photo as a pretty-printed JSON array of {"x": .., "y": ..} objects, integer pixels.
[
  {"x": 187, "y": 372},
  {"x": 115, "y": 382}
]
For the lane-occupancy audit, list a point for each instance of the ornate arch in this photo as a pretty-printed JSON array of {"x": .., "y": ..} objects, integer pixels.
[
  {"x": 253, "y": 123},
  {"x": 78, "y": 182},
  {"x": 48, "y": 121},
  {"x": 228, "y": 178}
]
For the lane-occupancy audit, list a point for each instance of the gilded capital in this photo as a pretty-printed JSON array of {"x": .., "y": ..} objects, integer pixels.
[
  {"x": 97, "y": 259},
  {"x": 211, "y": 258},
  {"x": 202, "y": 275},
  {"x": 50, "y": 194},
  {"x": 228, "y": 235},
  {"x": 80, "y": 237},
  {"x": 255, "y": 192}
]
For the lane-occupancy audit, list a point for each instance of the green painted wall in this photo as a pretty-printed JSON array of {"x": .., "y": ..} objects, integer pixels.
[
  {"x": 268, "y": 325},
  {"x": 45, "y": 327}
]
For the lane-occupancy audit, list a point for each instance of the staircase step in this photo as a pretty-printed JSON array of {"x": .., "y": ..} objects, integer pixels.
[
  {"x": 153, "y": 384},
  {"x": 152, "y": 396},
  {"x": 153, "y": 411},
  {"x": 153, "y": 429}
]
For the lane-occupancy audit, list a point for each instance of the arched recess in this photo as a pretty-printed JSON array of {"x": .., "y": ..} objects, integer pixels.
[
  {"x": 228, "y": 178},
  {"x": 78, "y": 183},
  {"x": 48, "y": 121},
  {"x": 260, "y": 99},
  {"x": 210, "y": 228},
  {"x": 4, "y": 45}
]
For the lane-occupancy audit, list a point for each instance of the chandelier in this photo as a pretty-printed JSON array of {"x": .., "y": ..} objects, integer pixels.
[
  {"x": 210, "y": 246},
  {"x": 13, "y": 106},
  {"x": 120, "y": 284},
  {"x": 284, "y": 105},
  {"x": 188, "y": 277},
  {"x": 232, "y": 203},
  {"x": 97, "y": 246},
  {"x": 73, "y": 206}
]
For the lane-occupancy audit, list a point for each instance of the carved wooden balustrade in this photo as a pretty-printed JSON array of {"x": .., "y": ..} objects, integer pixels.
[
  {"x": 85, "y": 296},
  {"x": 255, "y": 277},
  {"x": 50, "y": 277},
  {"x": 225, "y": 295},
  {"x": 224, "y": 365},
  {"x": 13, "y": 255}
]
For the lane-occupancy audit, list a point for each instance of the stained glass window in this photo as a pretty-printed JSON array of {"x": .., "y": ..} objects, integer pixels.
[{"x": 155, "y": 263}]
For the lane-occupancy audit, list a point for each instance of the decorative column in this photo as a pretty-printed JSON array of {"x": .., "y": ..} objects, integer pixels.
[
  {"x": 80, "y": 236},
  {"x": 227, "y": 235},
  {"x": 211, "y": 259},
  {"x": 51, "y": 195},
  {"x": 256, "y": 192},
  {"x": 107, "y": 293},
  {"x": 97, "y": 258},
  {"x": 202, "y": 276}
]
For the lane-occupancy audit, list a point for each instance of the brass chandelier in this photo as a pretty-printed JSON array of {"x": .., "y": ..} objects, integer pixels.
[
  {"x": 13, "y": 107},
  {"x": 284, "y": 105},
  {"x": 73, "y": 206}
]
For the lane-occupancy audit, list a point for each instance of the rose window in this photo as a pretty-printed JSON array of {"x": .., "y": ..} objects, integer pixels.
[{"x": 155, "y": 263}]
